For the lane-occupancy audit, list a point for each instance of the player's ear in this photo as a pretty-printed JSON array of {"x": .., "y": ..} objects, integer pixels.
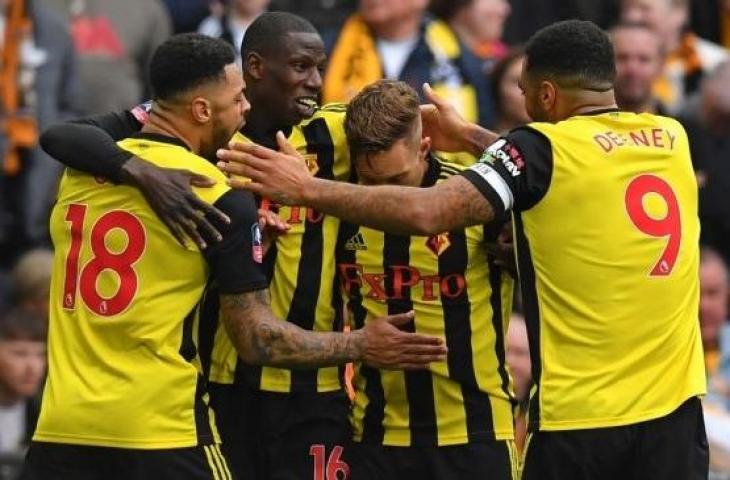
[
  {"x": 547, "y": 95},
  {"x": 424, "y": 147},
  {"x": 201, "y": 110},
  {"x": 253, "y": 65}
]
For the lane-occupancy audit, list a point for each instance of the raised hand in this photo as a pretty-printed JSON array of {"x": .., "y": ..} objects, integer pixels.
[
  {"x": 446, "y": 128},
  {"x": 281, "y": 175}
]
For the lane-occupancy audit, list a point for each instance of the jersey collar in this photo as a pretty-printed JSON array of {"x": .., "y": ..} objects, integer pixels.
[{"x": 158, "y": 137}]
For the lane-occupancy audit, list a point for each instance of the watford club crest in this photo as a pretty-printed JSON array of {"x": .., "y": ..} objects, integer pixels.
[
  {"x": 438, "y": 243},
  {"x": 311, "y": 160}
]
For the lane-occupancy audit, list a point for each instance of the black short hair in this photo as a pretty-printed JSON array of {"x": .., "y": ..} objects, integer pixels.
[
  {"x": 573, "y": 54},
  {"x": 186, "y": 61},
  {"x": 265, "y": 34},
  {"x": 19, "y": 324}
]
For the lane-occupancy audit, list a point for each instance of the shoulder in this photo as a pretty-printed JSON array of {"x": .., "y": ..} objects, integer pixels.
[
  {"x": 442, "y": 39},
  {"x": 331, "y": 116},
  {"x": 167, "y": 155},
  {"x": 449, "y": 169},
  {"x": 534, "y": 135},
  {"x": 331, "y": 112}
]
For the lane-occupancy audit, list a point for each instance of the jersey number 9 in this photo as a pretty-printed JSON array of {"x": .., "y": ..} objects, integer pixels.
[{"x": 669, "y": 226}]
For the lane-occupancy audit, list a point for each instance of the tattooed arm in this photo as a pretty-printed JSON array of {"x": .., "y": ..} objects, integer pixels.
[
  {"x": 262, "y": 339},
  {"x": 283, "y": 177},
  {"x": 449, "y": 205}
]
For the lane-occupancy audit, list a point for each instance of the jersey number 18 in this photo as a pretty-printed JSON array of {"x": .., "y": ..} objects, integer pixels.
[{"x": 85, "y": 280}]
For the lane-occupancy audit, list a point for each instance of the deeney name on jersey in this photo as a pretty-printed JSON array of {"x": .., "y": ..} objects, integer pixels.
[{"x": 645, "y": 137}]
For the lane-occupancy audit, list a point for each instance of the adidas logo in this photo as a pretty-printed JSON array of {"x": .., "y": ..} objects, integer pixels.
[{"x": 356, "y": 242}]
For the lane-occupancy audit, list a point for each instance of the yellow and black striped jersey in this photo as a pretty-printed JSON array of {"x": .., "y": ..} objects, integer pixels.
[
  {"x": 301, "y": 265},
  {"x": 458, "y": 294},
  {"x": 606, "y": 230},
  {"x": 123, "y": 368}
]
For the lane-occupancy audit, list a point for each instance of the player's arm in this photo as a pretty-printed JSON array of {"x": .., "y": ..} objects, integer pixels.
[
  {"x": 263, "y": 339},
  {"x": 499, "y": 181},
  {"x": 284, "y": 178},
  {"x": 89, "y": 145}
]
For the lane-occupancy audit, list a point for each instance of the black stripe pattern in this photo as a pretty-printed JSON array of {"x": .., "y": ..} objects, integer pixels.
[{"x": 532, "y": 315}]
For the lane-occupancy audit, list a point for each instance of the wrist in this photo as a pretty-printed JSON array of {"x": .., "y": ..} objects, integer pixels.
[
  {"x": 130, "y": 170},
  {"x": 309, "y": 192},
  {"x": 358, "y": 340},
  {"x": 476, "y": 139}
]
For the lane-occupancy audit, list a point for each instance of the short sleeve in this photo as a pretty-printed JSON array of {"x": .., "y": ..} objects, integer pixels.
[
  {"x": 235, "y": 261},
  {"x": 515, "y": 171}
]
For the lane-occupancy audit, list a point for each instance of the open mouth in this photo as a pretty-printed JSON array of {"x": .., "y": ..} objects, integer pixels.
[{"x": 307, "y": 104}]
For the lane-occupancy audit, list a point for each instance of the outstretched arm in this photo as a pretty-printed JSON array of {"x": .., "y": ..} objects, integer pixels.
[
  {"x": 262, "y": 339},
  {"x": 284, "y": 178},
  {"x": 451, "y": 204},
  {"x": 89, "y": 145}
]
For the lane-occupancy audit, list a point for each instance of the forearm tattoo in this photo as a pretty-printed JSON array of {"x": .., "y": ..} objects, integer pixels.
[
  {"x": 449, "y": 205},
  {"x": 263, "y": 339}
]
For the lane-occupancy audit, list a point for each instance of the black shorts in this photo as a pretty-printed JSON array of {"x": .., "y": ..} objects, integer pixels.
[
  {"x": 56, "y": 461},
  {"x": 281, "y": 436},
  {"x": 673, "y": 447},
  {"x": 496, "y": 460}
]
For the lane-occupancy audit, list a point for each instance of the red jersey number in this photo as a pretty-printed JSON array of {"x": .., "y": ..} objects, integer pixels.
[
  {"x": 84, "y": 280},
  {"x": 670, "y": 226}
]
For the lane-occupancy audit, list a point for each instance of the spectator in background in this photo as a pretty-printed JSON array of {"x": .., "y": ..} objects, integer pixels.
[
  {"x": 689, "y": 58},
  {"x": 114, "y": 41},
  {"x": 230, "y": 22},
  {"x": 186, "y": 15},
  {"x": 31, "y": 281},
  {"x": 22, "y": 367},
  {"x": 40, "y": 86},
  {"x": 639, "y": 62},
  {"x": 714, "y": 295},
  {"x": 479, "y": 24},
  {"x": 517, "y": 356},
  {"x": 528, "y": 16},
  {"x": 710, "y": 134},
  {"x": 508, "y": 97},
  {"x": 714, "y": 322},
  {"x": 395, "y": 39}
]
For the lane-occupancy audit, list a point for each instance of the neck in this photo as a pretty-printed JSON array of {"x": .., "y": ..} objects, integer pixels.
[
  {"x": 672, "y": 41},
  {"x": 587, "y": 102},
  {"x": 423, "y": 165},
  {"x": 7, "y": 399},
  {"x": 398, "y": 30},
  {"x": 163, "y": 121},
  {"x": 243, "y": 17},
  {"x": 261, "y": 128},
  {"x": 639, "y": 107},
  {"x": 464, "y": 34},
  {"x": 710, "y": 345},
  {"x": 504, "y": 125}
]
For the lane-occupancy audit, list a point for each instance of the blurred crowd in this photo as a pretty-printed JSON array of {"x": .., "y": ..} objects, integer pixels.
[{"x": 67, "y": 58}]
